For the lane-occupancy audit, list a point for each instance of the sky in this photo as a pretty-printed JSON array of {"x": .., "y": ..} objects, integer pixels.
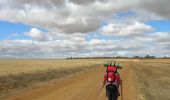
[{"x": 84, "y": 28}]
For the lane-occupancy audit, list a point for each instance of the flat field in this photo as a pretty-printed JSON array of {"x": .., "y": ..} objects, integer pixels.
[
  {"x": 153, "y": 79},
  {"x": 30, "y": 66},
  {"x": 143, "y": 79}
]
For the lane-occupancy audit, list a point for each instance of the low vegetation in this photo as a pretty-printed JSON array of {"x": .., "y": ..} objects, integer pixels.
[
  {"x": 19, "y": 81},
  {"x": 30, "y": 66},
  {"x": 19, "y": 74},
  {"x": 152, "y": 75},
  {"x": 153, "y": 80}
]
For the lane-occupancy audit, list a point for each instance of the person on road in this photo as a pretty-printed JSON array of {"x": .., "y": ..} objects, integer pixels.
[{"x": 112, "y": 80}]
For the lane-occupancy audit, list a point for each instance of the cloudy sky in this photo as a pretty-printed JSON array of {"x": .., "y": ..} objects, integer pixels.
[{"x": 84, "y": 28}]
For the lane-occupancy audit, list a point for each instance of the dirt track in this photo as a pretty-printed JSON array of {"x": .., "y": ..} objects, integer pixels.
[{"x": 79, "y": 87}]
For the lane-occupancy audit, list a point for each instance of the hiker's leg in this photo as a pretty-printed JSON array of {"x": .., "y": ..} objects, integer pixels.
[
  {"x": 118, "y": 93},
  {"x": 109, "y": 91},
  {"x": 106, "y": 91},
  {"x": 110, "y": 96}
]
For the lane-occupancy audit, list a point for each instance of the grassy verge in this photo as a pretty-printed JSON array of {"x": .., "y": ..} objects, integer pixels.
[
  {"x": 153, "y": 80},
  {"x": 14, "y": 82}
]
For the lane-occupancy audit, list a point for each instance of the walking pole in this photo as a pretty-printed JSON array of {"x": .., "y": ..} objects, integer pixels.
[
  {"x": 101, "y": 88},
  {"x": 121, "y": 90}
]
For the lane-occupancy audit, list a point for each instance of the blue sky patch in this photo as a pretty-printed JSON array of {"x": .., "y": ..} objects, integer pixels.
[
  {"x": 160, "y": 25},
  {"x": 11, "y": 30},
  {"x": 9, "y": 27}
]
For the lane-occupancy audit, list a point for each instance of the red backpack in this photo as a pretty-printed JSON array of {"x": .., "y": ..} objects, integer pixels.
[{"x": 111, "y": 77}]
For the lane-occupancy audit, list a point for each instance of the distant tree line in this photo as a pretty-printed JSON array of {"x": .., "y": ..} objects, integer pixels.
[
  {"x": 118, "y": 57},
  {"x": 147, "y": 56}
]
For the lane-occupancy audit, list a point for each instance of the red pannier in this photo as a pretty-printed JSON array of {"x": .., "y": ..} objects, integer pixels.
[{"x": 110, "y": 74}]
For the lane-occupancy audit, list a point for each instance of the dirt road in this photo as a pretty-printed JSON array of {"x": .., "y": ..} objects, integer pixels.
[{"x": 80, "y": 87}]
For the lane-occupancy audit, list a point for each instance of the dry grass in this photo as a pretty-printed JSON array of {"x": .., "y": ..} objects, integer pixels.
[
  {"x": 152, "y": 74},
  {"x": 155, "y": 60},
  {"x": 153, "y": 79},
  {"x": 19, "y": 74},
  {"x": 30, "y": 66},
  {"x": 13, "y": 82}
]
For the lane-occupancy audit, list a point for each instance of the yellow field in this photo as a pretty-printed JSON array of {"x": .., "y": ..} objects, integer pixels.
[
  {"x": 30, "y": 66},
  {"x": 151, "y": 75},
  {"x": 153, "y": 79}
]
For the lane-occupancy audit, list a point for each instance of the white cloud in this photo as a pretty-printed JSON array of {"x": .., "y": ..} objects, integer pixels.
[
  {"x": 156, "y": 37},
  {"x": 36, "y": 34},
  {"x": 82, "y": 2},
  {"x": 76, "y": 45},
  {"x": 161, "y": 36},
  {"x": 134, "y": 29},
  {"x": 73, "y": 16},
  {"x": 62, "y": 18},
  {"x": 157, "y": 43},
  {"x": 158, "y": 7},
  {"x": 72, "y": 47}
]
